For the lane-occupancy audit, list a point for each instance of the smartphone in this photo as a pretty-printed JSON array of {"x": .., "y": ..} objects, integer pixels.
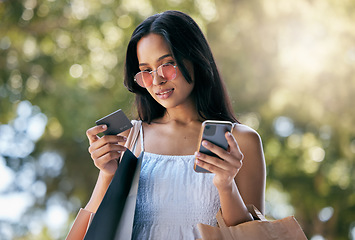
[
  {"x": 214, "y": 132},
  {"x": 116, "y": 122}
]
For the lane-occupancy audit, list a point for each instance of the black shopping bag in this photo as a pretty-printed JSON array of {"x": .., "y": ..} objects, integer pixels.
[{"x": 107, "y": 218}]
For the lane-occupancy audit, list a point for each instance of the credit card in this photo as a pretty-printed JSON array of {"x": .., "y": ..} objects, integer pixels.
[{"x": 116, "y": 122}]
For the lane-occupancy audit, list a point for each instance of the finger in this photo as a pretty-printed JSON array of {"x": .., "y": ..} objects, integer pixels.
[
  {"x": 216, "y": 165},
  {"x": 92, "y": 132},
  {"x": 230, "y": 155},
  {"x": 102, "y": 161},
  {"x": 214, "y": 161},
  {"x": 220, "y": 152},
  {"x": 108, "y": 148},
  {"x": 233, "y": 158},
  {"x": 122, "y": 138},
  {"x": 234, "y": 146},
  {"x": 210, "y": 167},
  {"x": 107, "y": 139}
]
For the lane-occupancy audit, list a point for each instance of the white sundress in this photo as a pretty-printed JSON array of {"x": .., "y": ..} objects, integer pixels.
[{"x": 172, "y": 198}]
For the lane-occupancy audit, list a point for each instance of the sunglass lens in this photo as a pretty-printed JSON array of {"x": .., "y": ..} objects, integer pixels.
[
  {"x": 144, "y": 79},
  {"x": 167, "y": 71}
]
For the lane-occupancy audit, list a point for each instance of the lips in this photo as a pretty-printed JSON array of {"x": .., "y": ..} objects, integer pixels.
[
  {"x": 164, "y": 94},
  {"x": 164, "y": 91}
]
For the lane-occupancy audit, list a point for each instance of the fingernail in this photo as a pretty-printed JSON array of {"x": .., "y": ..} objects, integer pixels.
[
  {"x": 104, "y": 126},
  {"x": 197, "y": 154},
  {"x": 205, "y": 143},
  {"x": 124, "y": 138}
]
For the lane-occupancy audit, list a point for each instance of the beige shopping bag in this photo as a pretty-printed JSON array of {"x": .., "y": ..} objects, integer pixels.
[{"x": 285, "y": 229}]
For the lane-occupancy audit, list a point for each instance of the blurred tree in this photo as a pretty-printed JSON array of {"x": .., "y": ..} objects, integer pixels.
[{"x": 289, "y": 67}]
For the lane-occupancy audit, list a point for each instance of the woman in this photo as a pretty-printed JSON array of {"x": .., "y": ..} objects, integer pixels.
[{"x": 171, "y": 70}]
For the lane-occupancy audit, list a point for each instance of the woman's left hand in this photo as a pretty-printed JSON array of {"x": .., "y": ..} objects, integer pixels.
[{"x": 226, "y": 167}]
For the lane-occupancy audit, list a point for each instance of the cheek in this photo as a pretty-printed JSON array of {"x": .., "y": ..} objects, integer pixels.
[{"x": 150, "y": 91}]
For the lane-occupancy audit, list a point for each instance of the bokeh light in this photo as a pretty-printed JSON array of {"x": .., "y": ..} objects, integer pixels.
[
  {"x": 284, "y": 126},
  {"x": 325, "y": 214}
]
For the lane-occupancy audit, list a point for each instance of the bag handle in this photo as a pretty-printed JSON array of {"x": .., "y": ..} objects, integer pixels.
[
  {"x": 254, "y": 211},
  {"x": 133, "y": 134},
  {"x": 220, "y": 219}
]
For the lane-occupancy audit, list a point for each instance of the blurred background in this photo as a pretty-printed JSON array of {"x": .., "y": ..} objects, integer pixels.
[{"x": 290, "y": 71}]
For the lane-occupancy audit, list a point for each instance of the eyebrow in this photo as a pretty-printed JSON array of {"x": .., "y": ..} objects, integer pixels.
[{"x": 159, "y": 59}]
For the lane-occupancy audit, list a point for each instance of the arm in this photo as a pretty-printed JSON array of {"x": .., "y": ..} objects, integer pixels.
[
  {"x": 98, "y": 193},
  {"x": 240, "y": 178},
  {"x": 251, "y": 178},
  {"x": 105, "y": 152}
]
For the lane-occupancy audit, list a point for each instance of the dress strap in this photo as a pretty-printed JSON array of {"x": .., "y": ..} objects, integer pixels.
[{"x": 141, "y": 137}]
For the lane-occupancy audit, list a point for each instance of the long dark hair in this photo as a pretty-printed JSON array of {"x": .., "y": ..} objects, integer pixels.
[{"x": 186, "y": 42}]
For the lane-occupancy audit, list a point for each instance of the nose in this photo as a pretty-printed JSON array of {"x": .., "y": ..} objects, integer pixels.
[{"x": 157, "y": 79}]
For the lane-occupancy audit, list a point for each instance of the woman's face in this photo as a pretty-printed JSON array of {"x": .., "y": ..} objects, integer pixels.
[{"x": 153, "y": 51}]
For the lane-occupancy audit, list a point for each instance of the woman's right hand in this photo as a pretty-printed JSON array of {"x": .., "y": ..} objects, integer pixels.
[{"x": 105, "y": 151}]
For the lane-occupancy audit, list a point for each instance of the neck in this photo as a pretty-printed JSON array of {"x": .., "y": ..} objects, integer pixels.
[{"x": 182, "y": 114}]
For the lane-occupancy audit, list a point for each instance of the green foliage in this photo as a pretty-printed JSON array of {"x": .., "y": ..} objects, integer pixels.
[{"x": 289, "y": 67}]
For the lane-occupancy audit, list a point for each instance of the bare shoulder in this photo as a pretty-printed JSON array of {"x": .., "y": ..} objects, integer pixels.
[
  {"x": 249, "y": 142},
  {"x": 246, "y": 135}
]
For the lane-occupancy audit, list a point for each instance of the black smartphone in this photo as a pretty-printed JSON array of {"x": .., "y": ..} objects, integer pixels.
[
  {"x": 116, "y": 122},
  {"x": 214, "y": 132}
]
